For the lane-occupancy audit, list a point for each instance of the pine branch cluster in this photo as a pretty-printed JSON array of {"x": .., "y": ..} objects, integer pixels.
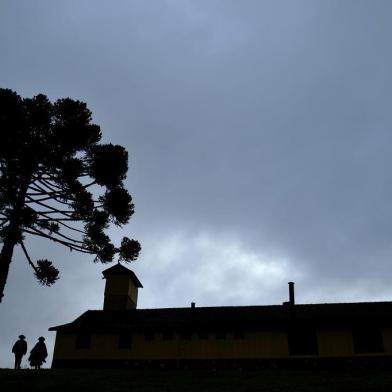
[{"x": 57, "y": 181}]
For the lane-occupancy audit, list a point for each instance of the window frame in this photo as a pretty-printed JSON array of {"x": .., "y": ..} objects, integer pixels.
[
  {"x": 186, "y": 335},
  {"x": 149, "y": 336},
  {"x": 83, "y": 341},
  {"x": 167, "y": 336},
  {"x": 220, "y": 335},
  {"x": 202, "y": 335},
  {"x": 124, "y": 341},
  {"x": 361, "y": 341},
  {"x": 302, "y": 341}
]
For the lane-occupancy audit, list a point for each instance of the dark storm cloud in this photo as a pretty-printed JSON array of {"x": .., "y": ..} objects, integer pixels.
[{"x": 259, "y": 137}]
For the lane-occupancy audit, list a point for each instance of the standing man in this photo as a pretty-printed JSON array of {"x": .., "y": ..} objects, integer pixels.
[{"x": 19, "y": 349}]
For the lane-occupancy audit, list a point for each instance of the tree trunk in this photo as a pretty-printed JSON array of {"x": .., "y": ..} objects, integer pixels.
[
  {"x": 12, "y": 236},
  {"x": 5, "y": 258}
]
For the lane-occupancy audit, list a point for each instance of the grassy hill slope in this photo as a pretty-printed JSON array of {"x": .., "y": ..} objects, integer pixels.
[{"x": 200, "y": 381}]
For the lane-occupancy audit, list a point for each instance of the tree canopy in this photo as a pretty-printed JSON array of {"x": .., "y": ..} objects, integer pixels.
[{"x": 57, "y": 181}]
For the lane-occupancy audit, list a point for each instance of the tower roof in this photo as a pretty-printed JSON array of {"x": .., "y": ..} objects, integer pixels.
[{"x": 119, "y": 269}]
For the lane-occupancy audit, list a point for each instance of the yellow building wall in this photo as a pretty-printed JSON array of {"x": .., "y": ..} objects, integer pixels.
[
  {"x": 121, "y": 285},
  {"x": 387, "y": 336},
  {"x": 116, "y": 289},
  {"x": 331, "y": 343},
  {"x": 116, "y": 285},
  {"x": 253, "y": 345},
  {"x": 335, "y": 343}
]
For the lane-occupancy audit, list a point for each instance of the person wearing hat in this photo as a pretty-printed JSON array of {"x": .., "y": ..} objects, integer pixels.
[
  {"x": 38, "y": 354},
  {"x": 19, "y": 349}
]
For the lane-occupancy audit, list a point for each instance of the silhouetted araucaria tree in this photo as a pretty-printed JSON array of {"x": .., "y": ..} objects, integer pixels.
[{"x": 58, "y": 182}]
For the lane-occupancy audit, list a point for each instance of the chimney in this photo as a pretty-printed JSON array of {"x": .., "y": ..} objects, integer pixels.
[
  {"x": 193, "y": 305},
  {"x": 291, "y": 294}
]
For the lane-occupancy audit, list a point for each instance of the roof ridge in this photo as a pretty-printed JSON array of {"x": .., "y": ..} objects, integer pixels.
[{"x": 245, "y": 306}]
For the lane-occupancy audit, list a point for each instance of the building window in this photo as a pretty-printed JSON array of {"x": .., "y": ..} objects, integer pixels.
[
  {"x": 202, "y": 335},
  {"x": 221, "y": 335},
  {"x": 186, "y": 335},
  {"x": 149, "y": 336},
  {"x": 167, "y": 336},
  {"x": 368, "y": 340},
  {"x": 83, "y": 340},
  {"x": 125, "y": 341},
  {"x": 238, "y": 335},
  {"x": 302, "y": 341}
]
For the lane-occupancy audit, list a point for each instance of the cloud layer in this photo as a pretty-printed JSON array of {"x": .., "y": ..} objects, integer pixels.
[{"x": 259, "y": 136}]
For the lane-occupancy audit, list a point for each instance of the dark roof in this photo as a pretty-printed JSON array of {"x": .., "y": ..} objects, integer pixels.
[
  {"x": 119, "y": 269},
  {"x": 234, "y": 317}
]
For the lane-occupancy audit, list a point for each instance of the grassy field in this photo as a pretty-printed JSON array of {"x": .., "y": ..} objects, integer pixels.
[{"x": 200, "y": 381}]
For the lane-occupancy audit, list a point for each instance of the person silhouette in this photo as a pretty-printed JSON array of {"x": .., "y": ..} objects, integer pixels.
[
  {"x": 38, "y": 354},
  {"x": 19, "y": 349}
]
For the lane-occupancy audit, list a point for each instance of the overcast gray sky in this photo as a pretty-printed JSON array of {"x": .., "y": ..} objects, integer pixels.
[{"x": 259, "y": 135}]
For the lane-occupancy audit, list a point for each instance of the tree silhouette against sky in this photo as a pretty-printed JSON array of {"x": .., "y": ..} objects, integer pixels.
[{"x": 58, "y": 182}]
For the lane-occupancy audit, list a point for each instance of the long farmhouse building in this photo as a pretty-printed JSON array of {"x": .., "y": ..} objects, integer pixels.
[{"x": 290, "y": 334}]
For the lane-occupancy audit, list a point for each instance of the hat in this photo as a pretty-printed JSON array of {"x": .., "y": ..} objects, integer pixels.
[
  {"x": 41, "y": 338},
  {"x": 22, "y": 337}
]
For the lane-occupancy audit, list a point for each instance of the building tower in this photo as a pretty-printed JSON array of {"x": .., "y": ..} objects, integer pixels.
[{"x": 121, "y": 288}]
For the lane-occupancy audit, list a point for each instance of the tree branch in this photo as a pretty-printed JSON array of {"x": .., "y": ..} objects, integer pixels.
[
  {"x": 43, "y": 183},
  {"x": 4, "y": 221},
  {"x": 57, "y": 219},
  {"x": 48, "y": 184},
  {"x": 54, "y": 210},
  {"x": 90, "y": 184},
  {"x": 60, "y": 235},
  {"x": 27, "y": 256},
  {"x": 52, "y": 193},
  {"x": 42, "y": 191},
  {"x": 47, "y": 198},
  {"x": 65, "y": 243},
  {"x": 70, "y": 227}
]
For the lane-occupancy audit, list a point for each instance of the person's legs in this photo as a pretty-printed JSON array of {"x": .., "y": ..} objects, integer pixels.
[{"x": 18, "y": 360}]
